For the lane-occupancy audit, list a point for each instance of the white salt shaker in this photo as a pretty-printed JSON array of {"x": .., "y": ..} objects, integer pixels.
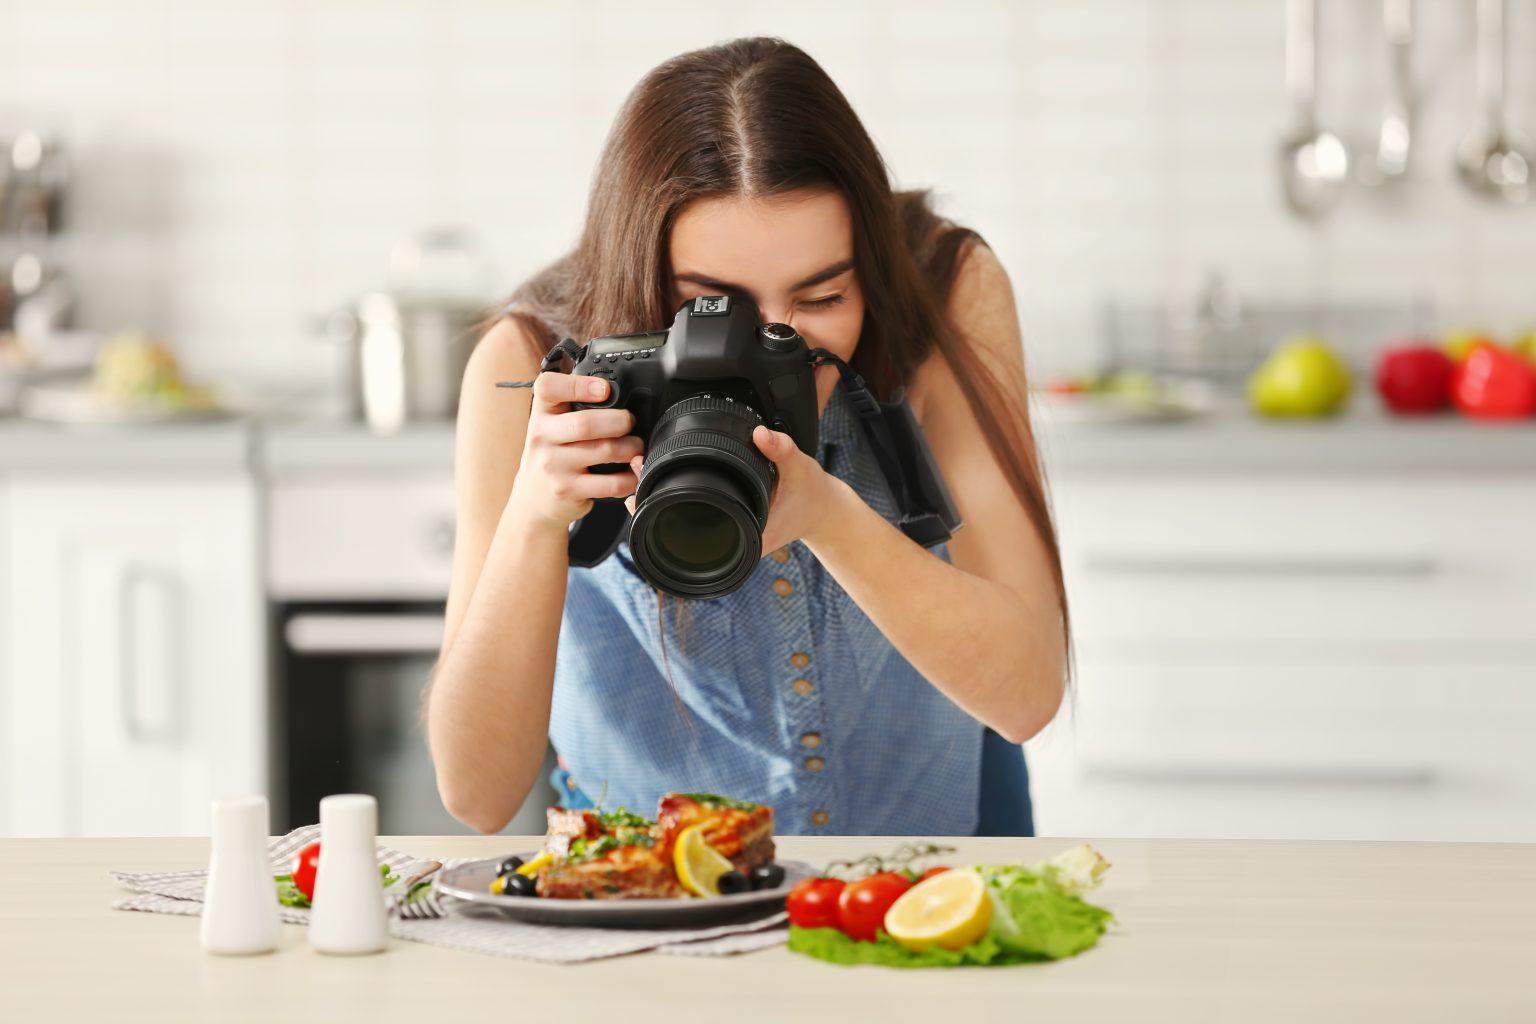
[
  {"x": 348, "y": 916},
  {"x": 240, "y": 914}
]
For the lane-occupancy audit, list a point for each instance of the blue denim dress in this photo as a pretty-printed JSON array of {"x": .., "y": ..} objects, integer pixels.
[{"x": 783, "y": 692}]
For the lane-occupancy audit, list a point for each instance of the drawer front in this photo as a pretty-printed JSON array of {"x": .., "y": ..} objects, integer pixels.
[
  {"x": 1344, "y": 750},
  {"x": 1285, "y": 565},
  {"x": 361, "y": 536}
]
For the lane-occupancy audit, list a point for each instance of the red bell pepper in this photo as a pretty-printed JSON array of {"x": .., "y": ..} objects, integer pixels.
[
  {"x": 1492, "y": 383},
  {"x": 1414, "y": 379}
]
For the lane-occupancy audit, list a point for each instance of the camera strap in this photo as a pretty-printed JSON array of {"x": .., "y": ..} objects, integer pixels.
[{"x": 927, "y": 510}]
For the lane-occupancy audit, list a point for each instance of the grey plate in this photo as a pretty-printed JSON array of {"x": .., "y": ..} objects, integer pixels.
[{"x": 471, "y": 883}]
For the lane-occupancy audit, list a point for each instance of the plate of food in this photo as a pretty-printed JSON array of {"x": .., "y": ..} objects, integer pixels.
[
  {"x": 705, "y": 858},
  {"x": 136, "y": 382}
]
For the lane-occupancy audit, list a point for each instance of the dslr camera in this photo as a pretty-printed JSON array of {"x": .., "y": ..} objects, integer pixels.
[{"x": 697, "y": 390}]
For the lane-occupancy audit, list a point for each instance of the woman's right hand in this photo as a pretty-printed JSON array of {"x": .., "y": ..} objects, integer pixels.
[{"x": 562, "y": 444}]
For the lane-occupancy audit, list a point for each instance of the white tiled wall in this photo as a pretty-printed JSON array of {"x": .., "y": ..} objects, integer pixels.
[{"x": 243, "y": 167}]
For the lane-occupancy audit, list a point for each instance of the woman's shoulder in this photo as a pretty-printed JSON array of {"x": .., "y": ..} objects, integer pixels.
[
  {"x": 982, "y": 309},
  {"x": 507, "y": 348}
]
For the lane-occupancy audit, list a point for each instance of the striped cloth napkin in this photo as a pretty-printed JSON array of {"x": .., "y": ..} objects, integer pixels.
[{"x": 181, "y": 892}]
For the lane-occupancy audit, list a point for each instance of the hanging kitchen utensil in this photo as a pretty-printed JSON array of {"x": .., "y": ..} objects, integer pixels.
[
  {"x": 1494, "y": 160},
  {"x": 1394, "y": 136},
  {"x": 1314, "y": 165}
]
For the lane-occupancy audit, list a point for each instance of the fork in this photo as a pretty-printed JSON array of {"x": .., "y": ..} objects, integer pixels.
[{"x": 424, "y": 906}]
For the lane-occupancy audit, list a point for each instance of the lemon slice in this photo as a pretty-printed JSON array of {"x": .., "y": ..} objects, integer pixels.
[
  {"x": 698, "y": 866},
  {"x": 950, "y": 911}
]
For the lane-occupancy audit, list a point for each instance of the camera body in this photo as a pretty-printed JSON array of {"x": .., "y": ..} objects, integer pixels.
[
  {"x": 716, "y": 347},
  {"x": 697, "y": 391}
]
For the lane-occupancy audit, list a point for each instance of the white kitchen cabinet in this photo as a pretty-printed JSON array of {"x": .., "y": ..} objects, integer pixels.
[
  {"x": 6, "y": 784},
  {"x": 1283, "y": 656},
  {"x": 135, "y": 650}
]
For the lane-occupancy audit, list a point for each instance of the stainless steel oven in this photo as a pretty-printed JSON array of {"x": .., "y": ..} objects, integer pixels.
[{"x": 358, "y": 567}]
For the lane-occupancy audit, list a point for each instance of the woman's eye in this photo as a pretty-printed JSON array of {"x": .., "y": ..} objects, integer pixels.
[{"x": 826, "y": 303}]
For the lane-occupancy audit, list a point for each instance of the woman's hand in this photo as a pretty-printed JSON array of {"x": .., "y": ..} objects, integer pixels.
[
  {"x": 562, "y": 444},
  {"x": 804, "y": 495}
]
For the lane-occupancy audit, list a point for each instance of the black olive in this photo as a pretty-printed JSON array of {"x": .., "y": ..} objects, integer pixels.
[
  {"x": 509, "y": 865},
  {"x": 732, "y": 882},
  {"x": 767, "y": 876},
  {"x": 520, "y": 885}
]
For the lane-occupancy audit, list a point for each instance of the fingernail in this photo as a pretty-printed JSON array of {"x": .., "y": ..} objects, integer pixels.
[{"x": 597, "y": 388}]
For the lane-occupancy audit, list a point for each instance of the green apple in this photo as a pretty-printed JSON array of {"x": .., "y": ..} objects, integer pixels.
[
  {"x": 1301, "y": 378},
  {"x": 1526, "y": 346}
]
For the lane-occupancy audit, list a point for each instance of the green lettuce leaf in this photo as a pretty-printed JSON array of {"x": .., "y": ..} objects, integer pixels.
[
  {"x": 832, "y": 945},
  {"x": 1034, "y": 913}
]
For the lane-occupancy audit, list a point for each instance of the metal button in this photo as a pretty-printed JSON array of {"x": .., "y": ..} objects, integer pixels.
[
  {"x": 783, "y": 587},
  {"x": 802, "y": 686},
  {"x": 820, "y": 818},
  {"x": 811, "y": 739},
  {"x": 799, "y": 659},
  {"x": 780, "y": 555},
  {"x": 814, "y": 764}
]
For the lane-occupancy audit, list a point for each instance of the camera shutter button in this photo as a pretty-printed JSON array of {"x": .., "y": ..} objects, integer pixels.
[{"x": 613, "y": 389}]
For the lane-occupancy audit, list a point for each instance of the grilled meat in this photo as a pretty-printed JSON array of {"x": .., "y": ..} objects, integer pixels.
[
  {"x": 741, "y": 832},
  {"x": 624, "y": 872},
  {"x": 617, "y": 855}
]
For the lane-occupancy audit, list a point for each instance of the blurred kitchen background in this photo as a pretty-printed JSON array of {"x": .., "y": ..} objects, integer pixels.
[{"x": 241, "y": 244}]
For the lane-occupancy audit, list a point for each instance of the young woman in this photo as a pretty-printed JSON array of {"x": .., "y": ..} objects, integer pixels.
[{"x": 858, "y": 683}]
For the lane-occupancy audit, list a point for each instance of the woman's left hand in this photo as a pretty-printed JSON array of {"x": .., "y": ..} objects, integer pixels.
[{"x": 804, "y": 495}]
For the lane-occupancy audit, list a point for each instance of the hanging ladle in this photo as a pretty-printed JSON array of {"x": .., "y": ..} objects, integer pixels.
[
  {"x": 1314, "y": 165},
  {"x": 1493, "y": 160}
]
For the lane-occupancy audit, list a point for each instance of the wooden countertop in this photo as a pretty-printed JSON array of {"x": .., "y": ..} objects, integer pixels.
[{"x": 1210, "y": 930}]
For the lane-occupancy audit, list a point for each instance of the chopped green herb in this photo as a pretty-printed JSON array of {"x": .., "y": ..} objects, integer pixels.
[
  {"x": 715, "y": 800},
  {"x": 622, "y": 817}
]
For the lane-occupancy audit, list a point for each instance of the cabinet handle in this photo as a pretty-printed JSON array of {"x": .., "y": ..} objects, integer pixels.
[
  {"x": 1406, "y": 776},
  {"x": 138, "y": 582},
  {"x": 340, "y": 633},
  {"x": 1132, "y": 564}
]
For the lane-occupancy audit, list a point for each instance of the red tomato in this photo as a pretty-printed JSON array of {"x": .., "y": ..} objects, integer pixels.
[
  {"x": 1493, "y": 383},
  {"x": 305, "y": 863},
  {"x": 937, "y": 869},
  {"x": 812, "y": 903},
  {"x": 861, "y": 907}
]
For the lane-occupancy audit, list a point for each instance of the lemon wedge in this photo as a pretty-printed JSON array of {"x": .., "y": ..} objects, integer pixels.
[
  {"x": 950, "y": 910},
  {"x": 531, "y": 867},
  {"x": 698, "y": 866}
]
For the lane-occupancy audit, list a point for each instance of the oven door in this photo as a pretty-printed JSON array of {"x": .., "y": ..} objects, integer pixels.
[{"x": 351, "y": 680}]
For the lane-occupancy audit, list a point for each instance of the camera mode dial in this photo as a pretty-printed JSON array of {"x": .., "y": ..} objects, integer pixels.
[{"x": 778, "y": 337}]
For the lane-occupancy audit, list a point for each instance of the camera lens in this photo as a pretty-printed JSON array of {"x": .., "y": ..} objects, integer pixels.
[
  {"x": 696, "y": 536},
  {"x": 703, "y": 499}
]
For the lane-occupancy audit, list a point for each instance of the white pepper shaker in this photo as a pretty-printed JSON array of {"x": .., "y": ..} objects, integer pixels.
[
  {"x": 240, "y": 914},
  {"x": 348, "y": 916}
]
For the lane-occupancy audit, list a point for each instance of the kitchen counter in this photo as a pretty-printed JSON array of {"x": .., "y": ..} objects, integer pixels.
[
  {"x": 1213, "y": 930},
  {"x": 1365, "y": 441},
  {"x": 209, "y": 446}
]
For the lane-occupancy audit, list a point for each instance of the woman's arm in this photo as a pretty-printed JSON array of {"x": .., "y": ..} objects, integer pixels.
[
  {"x": 520, "y": 468},
  {"x": 984, "y": 628}
]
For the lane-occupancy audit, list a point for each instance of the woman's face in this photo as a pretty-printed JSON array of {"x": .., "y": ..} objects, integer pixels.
[{"x": 791, "y": 254}]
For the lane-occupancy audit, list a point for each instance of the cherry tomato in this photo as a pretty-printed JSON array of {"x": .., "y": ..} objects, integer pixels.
[
  {"x": 305, "y": 863},
  {"x": 812, "y": 903},
  {"x": 937, "y": 869},
  {"x": 861, "y": 907}
]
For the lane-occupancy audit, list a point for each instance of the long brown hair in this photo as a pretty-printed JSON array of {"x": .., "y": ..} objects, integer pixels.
[{"x": 757, "y": 118}]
